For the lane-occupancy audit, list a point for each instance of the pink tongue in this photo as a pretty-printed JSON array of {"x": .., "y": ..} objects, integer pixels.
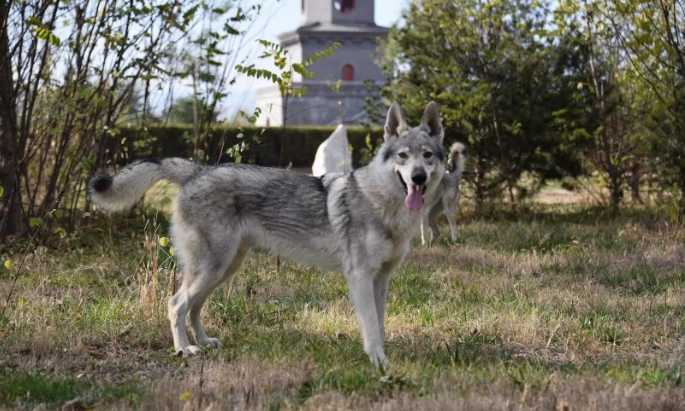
[{"x": 414, "y": 199}]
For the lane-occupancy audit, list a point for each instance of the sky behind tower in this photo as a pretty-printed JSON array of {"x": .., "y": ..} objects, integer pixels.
[{"x": 286, "y": 17}]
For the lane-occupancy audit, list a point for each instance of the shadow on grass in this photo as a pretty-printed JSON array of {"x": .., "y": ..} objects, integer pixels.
[{"x": 40, "y": 387}]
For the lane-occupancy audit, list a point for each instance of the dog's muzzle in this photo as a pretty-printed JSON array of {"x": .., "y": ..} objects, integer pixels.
[
  {"x": 404, "y": 185},
  {"x": 414, "y": 199}
]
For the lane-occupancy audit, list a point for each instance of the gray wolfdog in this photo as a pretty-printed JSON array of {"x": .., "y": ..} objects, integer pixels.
[
  {"x": 360, "y": 223},
  {"x": 446, "y": 197}
]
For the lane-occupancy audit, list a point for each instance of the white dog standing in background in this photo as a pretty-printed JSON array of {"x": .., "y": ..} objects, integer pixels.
[
  {"x": 446, "y": 198},
  {"x": 333, "y": 155}
]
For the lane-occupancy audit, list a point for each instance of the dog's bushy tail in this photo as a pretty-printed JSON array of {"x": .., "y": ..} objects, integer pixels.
[
  {"x": 457, "y": 158},
  {"x": 123, "y": 190}
]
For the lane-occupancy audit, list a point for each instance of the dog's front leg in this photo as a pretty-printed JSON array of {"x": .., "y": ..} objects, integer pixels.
[{"x": 364, "y": 301}]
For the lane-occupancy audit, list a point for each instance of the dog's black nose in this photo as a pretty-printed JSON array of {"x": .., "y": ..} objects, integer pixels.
[{"x": 418, "y": 177}]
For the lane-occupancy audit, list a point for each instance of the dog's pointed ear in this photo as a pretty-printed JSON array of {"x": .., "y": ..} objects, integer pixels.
[
  {"x": 394, "y": 123},
  {"x": 430, "y": 123}
]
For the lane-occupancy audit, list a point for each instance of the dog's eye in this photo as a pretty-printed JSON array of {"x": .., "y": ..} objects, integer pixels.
[
  {"x": 402, "y": 155},
  {"x": 427, "y": 154}
]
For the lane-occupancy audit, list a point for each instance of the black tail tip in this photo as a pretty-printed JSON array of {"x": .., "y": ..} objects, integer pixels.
[{"x": 100, "y": 182}]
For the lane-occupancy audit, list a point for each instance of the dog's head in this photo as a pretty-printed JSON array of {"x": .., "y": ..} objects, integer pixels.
[{"x": 414, "y": 155}]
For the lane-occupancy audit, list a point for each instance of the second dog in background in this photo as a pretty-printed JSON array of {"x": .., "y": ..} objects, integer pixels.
[{"x": 446, "y": 197}]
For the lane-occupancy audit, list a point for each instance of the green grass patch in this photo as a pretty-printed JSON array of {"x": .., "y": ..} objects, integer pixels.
[{"x": 36, "y": 387}]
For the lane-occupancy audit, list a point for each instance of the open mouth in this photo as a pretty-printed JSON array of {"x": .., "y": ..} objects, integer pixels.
[{"x": 414, "y": 199}]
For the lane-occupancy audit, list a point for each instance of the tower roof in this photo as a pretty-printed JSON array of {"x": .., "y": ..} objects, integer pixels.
[{"x": 328, "y": 29}]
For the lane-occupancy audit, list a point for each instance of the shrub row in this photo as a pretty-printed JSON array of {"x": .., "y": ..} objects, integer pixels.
[{"x": 262, "y": 145}]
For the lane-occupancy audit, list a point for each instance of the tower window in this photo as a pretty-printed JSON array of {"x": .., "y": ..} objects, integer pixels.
[
  {"x": 348, "y": 72},
  {"x": 302, "y": 6},
  {"x": 344, "y": 6}
]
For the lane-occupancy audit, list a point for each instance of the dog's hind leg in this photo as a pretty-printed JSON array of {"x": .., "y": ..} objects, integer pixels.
[
  {"x": 194, "y": 314},
  {"x": 451, "y": 213},
  {"x": 433, "y": 222},
  {"x": 178, "y": 310},
  {"x": 206, "y": 263},
  {"x": 380, "y": 292},
  {"x": 424, "y": 228}
]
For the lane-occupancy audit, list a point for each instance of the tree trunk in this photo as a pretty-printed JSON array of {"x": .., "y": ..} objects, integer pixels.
[
  {"x": 635, "y": 183},
  {"x": 9, "y": 150},
  {"x": 616, "y": 191},
  {"x": 479, "y": 183},
  {"x": 681, "y": 200}
]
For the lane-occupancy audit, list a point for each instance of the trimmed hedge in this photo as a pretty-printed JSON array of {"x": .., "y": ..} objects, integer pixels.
[{"x": 264, "y": 144}]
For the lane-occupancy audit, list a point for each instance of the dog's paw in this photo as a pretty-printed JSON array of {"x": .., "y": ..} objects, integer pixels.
[
  {"x": 214, "y": 342},
  {"x": 191, "y": 350},
  {"x": 380, "y": 361}
]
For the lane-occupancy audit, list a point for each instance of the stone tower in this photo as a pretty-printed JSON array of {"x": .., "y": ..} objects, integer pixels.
[{"x": 349, "y": 22}]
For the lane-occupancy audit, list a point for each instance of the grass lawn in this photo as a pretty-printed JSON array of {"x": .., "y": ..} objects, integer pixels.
[{"x": 561, "y": 309}]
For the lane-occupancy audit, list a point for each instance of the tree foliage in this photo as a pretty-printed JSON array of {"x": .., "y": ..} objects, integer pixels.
[
  {"x": 590, "y": 88},
  {"x": 498, "y": 76},
  {"x": 72, "y": 73},
  {"x": 652, "y": 35},
  {"x": 606, "y": 103}
]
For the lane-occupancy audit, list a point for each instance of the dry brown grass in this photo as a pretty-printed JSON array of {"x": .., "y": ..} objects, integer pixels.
[{"x": 563, "y": 310}]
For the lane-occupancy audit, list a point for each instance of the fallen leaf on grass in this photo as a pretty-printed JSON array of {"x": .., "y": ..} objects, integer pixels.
[
  {"x": 127, "y": 329},
  {"x": 92, "y": 351},
  {"x": 74, "y": 405}
]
